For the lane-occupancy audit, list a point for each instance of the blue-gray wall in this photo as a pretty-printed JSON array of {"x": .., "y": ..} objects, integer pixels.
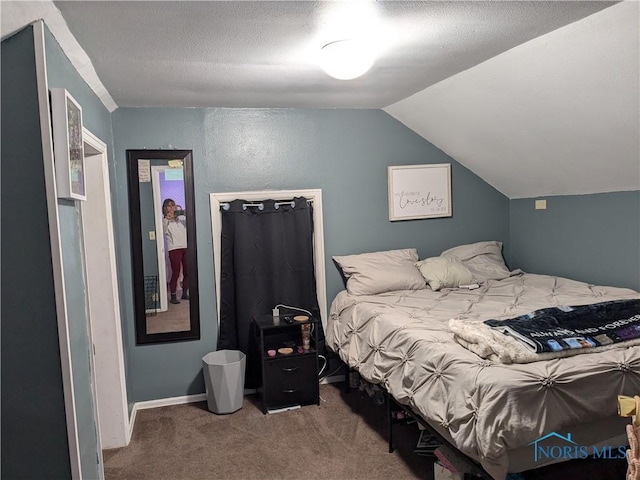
[
  {"x": 592, "y": 238},
  {"x": 34, "y": 432},
  {"x": 343, "y": 152},
  {"x": 97, "y": 119}
]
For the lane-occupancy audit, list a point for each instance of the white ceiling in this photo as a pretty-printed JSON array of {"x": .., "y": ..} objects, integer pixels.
[
  {"x": 558, "y": 115},
  {"x": 265, "y": 53},
  {"x": 472, "y": 77}
]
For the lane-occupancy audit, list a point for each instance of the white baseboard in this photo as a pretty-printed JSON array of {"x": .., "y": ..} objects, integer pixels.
[
  {"x": 200, "y": 397},
  {"x": 165, "y": 402},
  {"x": 132, "y": 421},
  {"x": 162, "y": 402}
]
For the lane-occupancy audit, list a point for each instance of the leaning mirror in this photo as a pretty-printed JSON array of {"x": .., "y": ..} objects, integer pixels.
[{"x": 163, "y": 232}]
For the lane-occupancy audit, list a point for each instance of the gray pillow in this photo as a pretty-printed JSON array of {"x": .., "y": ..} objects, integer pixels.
[
  {"x": 483, "y": 259},
  {"x": 449, "y": 272},
  {"x": 378, "y": 272}
]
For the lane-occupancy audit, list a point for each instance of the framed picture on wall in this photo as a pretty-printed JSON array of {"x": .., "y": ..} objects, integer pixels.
[
  {"x": 68, "y": 148},
  {"x": 419, "y": 191}
]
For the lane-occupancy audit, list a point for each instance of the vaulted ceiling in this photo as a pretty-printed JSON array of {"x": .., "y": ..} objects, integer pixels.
[
  {"x": 536, "y": 97},
  {"x": 557, "y": 115}
]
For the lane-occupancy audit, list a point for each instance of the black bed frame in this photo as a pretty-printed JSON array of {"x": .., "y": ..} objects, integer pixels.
[{"x": 464, "y": 464}]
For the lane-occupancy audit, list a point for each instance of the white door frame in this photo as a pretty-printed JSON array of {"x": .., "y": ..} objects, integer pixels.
[
  {"x": 314, "y": 195},
  {"x": 104, "y": 302},
  {"x": 56, "y": 250},
  {"x": 160, "y": 247},
  {"x": 58, "y": 264},
  {"x": 92, "y": 292}
]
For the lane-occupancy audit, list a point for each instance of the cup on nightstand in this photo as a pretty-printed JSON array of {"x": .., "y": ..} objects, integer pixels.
[{"x": 306, "y": 336}]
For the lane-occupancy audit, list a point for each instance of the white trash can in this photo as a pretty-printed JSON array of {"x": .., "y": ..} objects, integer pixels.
[{"x": 224, "y": 380}]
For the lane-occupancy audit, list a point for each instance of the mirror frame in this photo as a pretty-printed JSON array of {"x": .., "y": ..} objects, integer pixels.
[{"x": 137, "y": 266}]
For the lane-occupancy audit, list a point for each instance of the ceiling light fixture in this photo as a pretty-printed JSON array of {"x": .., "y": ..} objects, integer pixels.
[{"x": 346, "y": 59}]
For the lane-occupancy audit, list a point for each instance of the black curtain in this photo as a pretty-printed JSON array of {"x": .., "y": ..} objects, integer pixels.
[{"x": 266, "y": 260}]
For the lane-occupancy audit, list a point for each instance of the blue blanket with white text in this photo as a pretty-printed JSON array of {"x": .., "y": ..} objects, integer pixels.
[{"x": 570, "y": 327}]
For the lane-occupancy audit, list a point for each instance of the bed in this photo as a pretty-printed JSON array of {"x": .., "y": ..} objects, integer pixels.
[{"x": 395, "y": 328}]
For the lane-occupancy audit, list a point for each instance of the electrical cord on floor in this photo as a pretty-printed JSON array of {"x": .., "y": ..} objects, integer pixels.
[
  {"x": 331, "y": 373},
  {"x": 324, "y": 365}
]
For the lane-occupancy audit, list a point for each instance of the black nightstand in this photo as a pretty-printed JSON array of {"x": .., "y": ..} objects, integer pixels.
[{"x": 291, "y": 379}]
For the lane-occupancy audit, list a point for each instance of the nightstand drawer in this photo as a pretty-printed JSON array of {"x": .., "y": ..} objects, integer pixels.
[{"x": 290, "y": 381}]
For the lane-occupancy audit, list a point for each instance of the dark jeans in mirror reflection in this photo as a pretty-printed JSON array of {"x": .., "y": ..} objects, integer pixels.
[{"x": 178, "y": 259}]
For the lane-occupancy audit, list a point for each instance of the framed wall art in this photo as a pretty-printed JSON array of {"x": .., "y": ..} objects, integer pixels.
[
  {"x": 68, "y": 147},
  {"x": 419, "y": 191}
]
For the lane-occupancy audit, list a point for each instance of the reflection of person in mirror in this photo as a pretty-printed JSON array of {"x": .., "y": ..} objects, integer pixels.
[{"x": 175, "y": 231}]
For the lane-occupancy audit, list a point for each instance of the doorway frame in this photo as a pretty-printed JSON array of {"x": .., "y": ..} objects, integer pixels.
[
  {"x": 105, "y": 325},
  {"x": 160, "y": 241},
  {"x": 57, "y": 264},
  {"x": 56, "y": 251},
  {"x": 314, "y": 195}
]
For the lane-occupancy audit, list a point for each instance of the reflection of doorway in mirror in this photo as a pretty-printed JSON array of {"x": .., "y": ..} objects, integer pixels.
[{"x": 167, "y": 182}]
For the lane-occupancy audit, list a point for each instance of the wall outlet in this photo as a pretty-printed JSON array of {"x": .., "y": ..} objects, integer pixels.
[
  {"x": 152, "y": 235},
  {"x": 541, "y": 204}
]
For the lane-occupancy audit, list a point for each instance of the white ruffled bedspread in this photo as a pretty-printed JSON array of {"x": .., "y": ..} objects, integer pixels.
[{"x": 403, "y": 341}]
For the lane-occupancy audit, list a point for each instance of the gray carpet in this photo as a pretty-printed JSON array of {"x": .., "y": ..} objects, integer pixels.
[{"x": 330, "y": 441}]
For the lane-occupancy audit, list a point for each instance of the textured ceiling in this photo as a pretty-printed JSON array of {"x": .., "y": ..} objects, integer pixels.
[
  {"x": 558, "y": 115},
  {"x": 537, "y": 98},
  {"x": 265, "y": 53}
]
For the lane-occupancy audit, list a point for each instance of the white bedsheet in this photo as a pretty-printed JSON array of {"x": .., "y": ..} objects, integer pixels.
[{"x": 402, "y": 340}]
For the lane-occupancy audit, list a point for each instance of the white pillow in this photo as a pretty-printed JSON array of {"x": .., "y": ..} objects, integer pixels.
[
  {"x": 378, "y": 272},
  {"x": 483, "y": 259},
  {"x": 446, "y": 272}
]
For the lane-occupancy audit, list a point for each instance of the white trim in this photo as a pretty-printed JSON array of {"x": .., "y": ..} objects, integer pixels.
[
  {"x": 132, "y": 422},
  {"x": 314, "y": 195},
  {"x": 160, "y": 246},
  {"x": 90, "y": 327},
  {"x": 166, "y": 402},
  {"x": 56, "y": 249},
  {"x": 105, "y": 327},
  {"x": 163, "y": 402},
  {"x": 17, "y": 15},
  {"x": 200, "y": 397}
]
